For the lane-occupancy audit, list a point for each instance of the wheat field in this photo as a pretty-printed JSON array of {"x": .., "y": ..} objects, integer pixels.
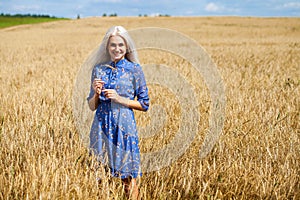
[{"x": 257, "y": 156}]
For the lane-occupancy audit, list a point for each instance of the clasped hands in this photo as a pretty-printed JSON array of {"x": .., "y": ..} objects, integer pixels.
[{"x": 109, "y": 93}]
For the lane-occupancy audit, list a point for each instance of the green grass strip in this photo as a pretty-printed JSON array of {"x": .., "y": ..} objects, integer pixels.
[{"x": 13, "y": 21}]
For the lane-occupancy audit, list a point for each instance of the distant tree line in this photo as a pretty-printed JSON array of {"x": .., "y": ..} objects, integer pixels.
[
  {"x": 78, "y": 16},
  {"x": 27, "y": 15},
  {"x": 111, "y": 15},
  {"x": 140, "y": 15}
]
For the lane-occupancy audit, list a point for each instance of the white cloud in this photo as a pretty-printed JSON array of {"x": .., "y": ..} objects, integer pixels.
[
  {"x": 218, "y": 8},
  {"x": 154, "y": 14},
  {"x": 292, "y": 5},
  {"x": 212, "y": 7}
]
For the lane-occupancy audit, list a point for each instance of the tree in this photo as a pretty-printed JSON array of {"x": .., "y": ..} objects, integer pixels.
[{"x": 113, "y": 15}]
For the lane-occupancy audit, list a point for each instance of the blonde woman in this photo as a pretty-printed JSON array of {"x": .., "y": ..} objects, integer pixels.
[{"x": 117, "y": 87}]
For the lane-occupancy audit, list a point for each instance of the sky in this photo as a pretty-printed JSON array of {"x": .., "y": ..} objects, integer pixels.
[{"x": 89, "y": 8}]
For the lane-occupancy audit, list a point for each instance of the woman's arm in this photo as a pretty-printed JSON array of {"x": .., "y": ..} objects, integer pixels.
[
  {"x": 135, "y": 105},
  {"x": 94, "y": 102},
  {"x": 140, "y": 88},
  {"x": 113, "y": 95}
]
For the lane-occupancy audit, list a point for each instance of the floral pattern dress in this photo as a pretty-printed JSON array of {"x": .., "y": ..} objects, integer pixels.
[{"x": 113, "y": 136}]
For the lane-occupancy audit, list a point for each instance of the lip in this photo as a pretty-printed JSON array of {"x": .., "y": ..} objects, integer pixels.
[{"x": 118, "y": 54}]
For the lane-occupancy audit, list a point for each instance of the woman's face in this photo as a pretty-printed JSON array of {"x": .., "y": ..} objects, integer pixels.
[{"x": 116, "y": 48}]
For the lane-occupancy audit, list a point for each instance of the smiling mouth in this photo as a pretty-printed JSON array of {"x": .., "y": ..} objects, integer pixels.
[{"x": 118, "y": 54}]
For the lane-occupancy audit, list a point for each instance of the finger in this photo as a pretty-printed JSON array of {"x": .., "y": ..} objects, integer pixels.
[
  {"x": 107, "y": 96},
  {"x": 99, "y": 80},
  {"x": 107, "y": 91},
  {"x": 98, "y": 90}
]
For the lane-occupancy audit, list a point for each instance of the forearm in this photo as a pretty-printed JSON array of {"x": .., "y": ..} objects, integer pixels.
[
  {"x": 133, "y": 104},
  {"x": 94, "y": 102},
  {"x": 114, "y": 96}
]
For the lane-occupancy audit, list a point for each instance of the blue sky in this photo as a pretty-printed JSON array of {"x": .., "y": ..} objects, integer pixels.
[{"x": 87, "y": 8}]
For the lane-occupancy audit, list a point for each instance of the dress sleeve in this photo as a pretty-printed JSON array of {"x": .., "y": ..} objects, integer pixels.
[
  {"x": 141, "y": 89},
  {"x": 93, "y": 76}
]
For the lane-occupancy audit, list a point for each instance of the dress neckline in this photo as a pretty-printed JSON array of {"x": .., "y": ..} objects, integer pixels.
[{"x": 119, "y": 63}]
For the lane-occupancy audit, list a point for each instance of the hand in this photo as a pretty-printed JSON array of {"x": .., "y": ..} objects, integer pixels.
[
  {"x": 97, "y": 85},
  {"x": 111, "y": 94},
  {"x": 114, "y": 96}
]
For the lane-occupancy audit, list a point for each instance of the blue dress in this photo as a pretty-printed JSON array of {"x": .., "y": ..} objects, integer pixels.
[{"x": 113, "y": 136}]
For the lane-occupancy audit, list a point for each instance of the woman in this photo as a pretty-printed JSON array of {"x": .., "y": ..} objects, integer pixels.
[{"x": 117, "y": 87}]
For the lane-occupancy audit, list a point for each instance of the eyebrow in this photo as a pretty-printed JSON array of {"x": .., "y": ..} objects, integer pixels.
[{"x": 116, "y": 43}]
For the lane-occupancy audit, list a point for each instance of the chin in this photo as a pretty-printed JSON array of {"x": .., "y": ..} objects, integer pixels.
[{"x": 117, "y": 58}]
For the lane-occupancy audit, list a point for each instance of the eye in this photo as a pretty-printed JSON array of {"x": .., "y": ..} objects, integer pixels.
[
  {"x": 121, "y": 45},
  {"x": 112, "y": 45}
]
